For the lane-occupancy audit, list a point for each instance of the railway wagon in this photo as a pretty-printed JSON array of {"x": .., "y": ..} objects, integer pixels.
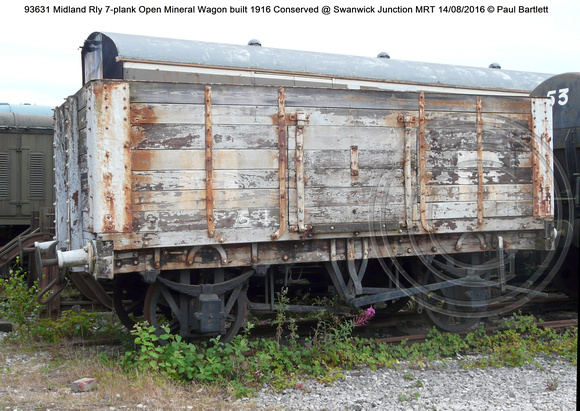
[
  {"x": 202, "y": 179},
  {"x": 26, "y": 175},
  {"x": 564, "y": 92}
]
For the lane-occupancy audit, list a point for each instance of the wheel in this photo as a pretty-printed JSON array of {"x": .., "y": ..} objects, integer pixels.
[
  {"x": 165, "y": 306},
  {"x": 451, "y": 309},
  {"x": 128, "y": 298}
]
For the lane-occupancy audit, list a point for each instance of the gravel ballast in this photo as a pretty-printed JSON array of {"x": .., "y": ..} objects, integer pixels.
[{"x": 445, "y": 386}]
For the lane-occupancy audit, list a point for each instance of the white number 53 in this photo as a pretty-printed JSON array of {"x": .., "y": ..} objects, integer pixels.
[{"x": 562, "y": 96}]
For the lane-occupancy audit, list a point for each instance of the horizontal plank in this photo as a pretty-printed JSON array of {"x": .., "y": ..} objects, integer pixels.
[
  {"x": 344, "y": 215},
  {"x": 446, "y": 119},
  {"x": 241, "y": 218},
  {"x": 321, "y": 137},
  {"x": 466, "y": 139},
  {"x": 491, "y": 209},
  {"x": 469, "y": 159},
  {"x": 444, "y": 176},
  {"x": 195, "y": 199},
  {"x": 195, "y": 180},
  {"x": 468, "y": 103},
  {"x": 185, "y": 93},
  {"x": 195, "y": 159},
  {"x": 195, "y": 114},
  {"x": 351, "y": 196},
  {"x": 341, "y": 177},
  {"x": 497, "y": 192},
  {"x": 192, "y": 136},
  {"x": 318, "y": 160}
]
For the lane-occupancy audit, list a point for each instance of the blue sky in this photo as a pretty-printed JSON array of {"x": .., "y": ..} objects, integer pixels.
[{"x": 40, "y": 56}]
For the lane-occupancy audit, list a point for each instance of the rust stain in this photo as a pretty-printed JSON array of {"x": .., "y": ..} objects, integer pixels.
[
  {"x": 282, "y": 162},
  {"x": 209, "y": 201},
  {"x": 141, "y": 113}
]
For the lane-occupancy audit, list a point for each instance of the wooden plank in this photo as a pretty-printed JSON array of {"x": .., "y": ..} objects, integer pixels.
[
  {"x": 444, "y": 176},
  {"x": 505, "y": 121},
  {"x": 195, "y": 199},
  {"x": 353, "y": 214},
  {"x": 195, "y": 159},
  {"x": 498, "y": 192},
  {"x": 351, "y": 196},
  {"x": 462, "y": 102},
  {"x": 191, "y": 136},
  {"x": 324, "y": 137},
  {"x": 178, "y": 220},
  {"x": 340, "y": 177},
  {"x": 195, "y": 179},
  {"x": 181, "y": 93},
  {"x": 195, "y": 114},
  {"x": 468, "y": 159},
  {"x": 493, "y": 209},
  {"x": 466, "y": 139},
  {"x": 318, "y": 160}
]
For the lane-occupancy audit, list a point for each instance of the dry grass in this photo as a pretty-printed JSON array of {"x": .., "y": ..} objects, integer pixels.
[{"x": 34, "y": 378}]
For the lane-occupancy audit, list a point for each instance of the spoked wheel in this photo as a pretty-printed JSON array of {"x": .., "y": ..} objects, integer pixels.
[
  {"x": 194, "y": 311},
  {"x": 455, "y": 308},
  {"x": 129, "y": 298}
]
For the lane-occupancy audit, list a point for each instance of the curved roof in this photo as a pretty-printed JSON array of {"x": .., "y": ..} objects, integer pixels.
[
  {"x": 25, "y": 109},
  {"x": 124, "y": 47}
]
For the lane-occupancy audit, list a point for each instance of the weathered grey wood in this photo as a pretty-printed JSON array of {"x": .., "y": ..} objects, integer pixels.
[
  {"x": 194, "y": 220},
  {"x": 351, "y": 196},
  {"x": 462, "y": 102},
  {"x": 60, "y": 169},
  {"x": 501, "y": 192},
  {"x": 195, "y": 114},
  {"x": 74, "y": 196},
  {"x": 444, "y": 176},
  {"x": 458, "y": 210},
  {"x": 468, "y": 159},
  {"x": 342, "y": 178},
  {"x": 195, "y": 179},
  {"x": 318, "y": 160},
  {"x": 195, "y": 159},
  {"x": 195, "y": 199},
  {"x": 191, "y": 136}
]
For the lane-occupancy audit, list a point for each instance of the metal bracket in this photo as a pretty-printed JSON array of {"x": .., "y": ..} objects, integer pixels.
[
  {"x": 354, "y": 161},
  {"x": 463, "y": 236},
  {"x": 222, "y": 252}
]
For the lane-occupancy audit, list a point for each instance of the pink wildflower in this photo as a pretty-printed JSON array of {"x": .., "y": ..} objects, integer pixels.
[{"x": 364, "y": 319}]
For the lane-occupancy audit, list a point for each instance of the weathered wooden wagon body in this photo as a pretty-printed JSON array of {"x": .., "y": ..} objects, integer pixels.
[{"x": 206, "y": 192}]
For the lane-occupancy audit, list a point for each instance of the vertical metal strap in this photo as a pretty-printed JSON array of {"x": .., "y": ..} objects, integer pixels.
[
  {"x": 209, "y": 202},
  {"x": 423, "y": 177},
  {"x": 479, "y": 120},
  {"x": 408, "y": 122},
  {"x": 300, "y": 122},
  {"x": 282, "y": 163}
]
